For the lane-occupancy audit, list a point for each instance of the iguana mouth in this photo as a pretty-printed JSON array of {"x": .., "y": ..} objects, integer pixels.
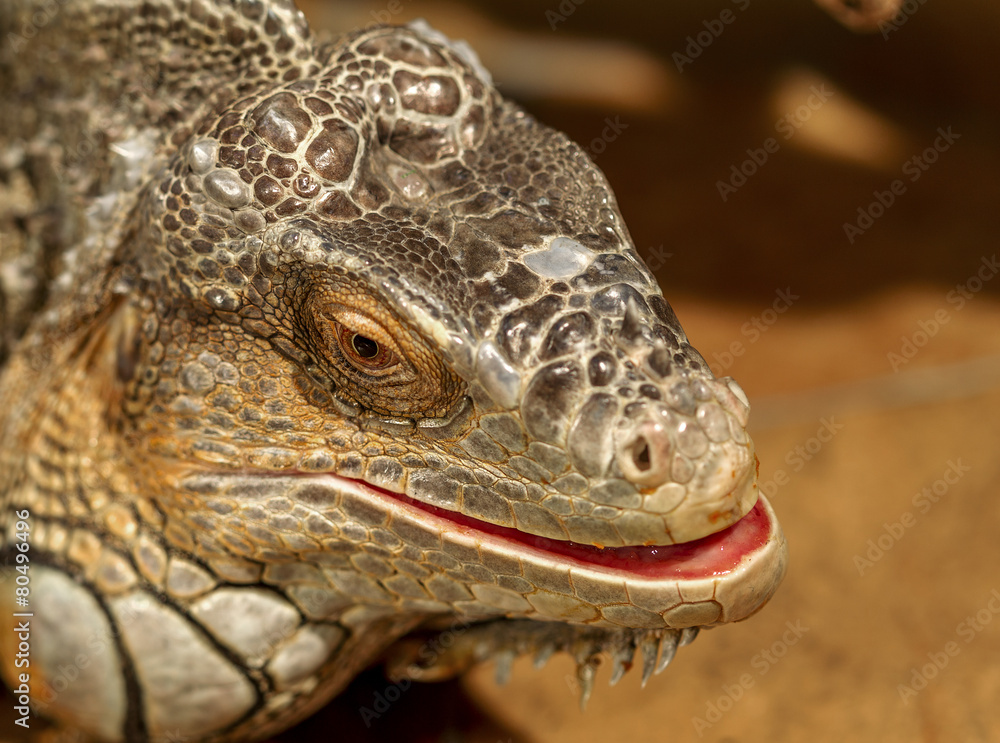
[{"x": 716, "y": 554}]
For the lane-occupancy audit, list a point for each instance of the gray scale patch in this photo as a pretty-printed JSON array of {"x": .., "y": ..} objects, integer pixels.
[
  {"x": 318, "y": 526},
  {"x": 483, "y": 503},
  {"x": 714, "y": 422},
  {"x": 552, "y": 458},
  {"x": 606, "y": 512},
  {"x": 114, "y": 573},
  {"x": 372, "y": 565},
  {"x": 289, "y": 573},
  {"x": 320, "y": 603},
  {"x": 558, "y": 504},
  {"x": 634, "y": 526},
  {"x": 251, "y": 621},
  {"x": 202, "y": 156},
  {"x": 226, "y": 188},
  {"x": 511, "y": 490},
  {"x": 303, "y": 654},
  {"x": 285, "y": 522},
  {"x": 250, "y": 220},
  {"x": 447, "y": 590},
  {"x": 362, "y": 588},
  {"x": 589, "y": 531},
  {"x": 187, "y": 580},
  {"x": 530, "y": 469},
  {"x": 536, "y": 520},
  {"x": 500, "y": 563},
  {"x": 505, "y": 429},
  {"x": 681, "y": 469},
  {"x": 665, "y": 498},
  {"x": 573, "y": 484},
  {"x": 680, "y": 398},
  {"x": 410, "y": 567},
  {"x": 616, "y": 492},
  {"x": 96, "y": 697},
  {"x": 632, "y": 616},
  {"x": 548, "y": 578},
  {"x": 481, "y": 447},
  {"x": 515, "y": 583},
  {"x": 478, "y": 573},
  {"x": 188, "y": 689},
  {"x": 564, "y": 258},
  {"x": 599, "y": 590},
  {"x": 440, "y": 559},
  {"x": 691, "y": 440},
  {"x": 378, "y": 550},
  {"x": 501, "y": 381},
  {"x": 500, "y": 598},
  {"x": 404, "y": 586},
  {"x": 550, "y": 399},
  {"x": 435, "y": 488}
]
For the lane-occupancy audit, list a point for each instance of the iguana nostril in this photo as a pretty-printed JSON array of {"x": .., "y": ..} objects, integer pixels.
[
  {"x": 640, "y": 455},
  {"x": 644, "y": 454}
]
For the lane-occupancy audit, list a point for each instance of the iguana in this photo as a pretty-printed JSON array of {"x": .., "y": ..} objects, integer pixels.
[{"x": 312, "y": 346}]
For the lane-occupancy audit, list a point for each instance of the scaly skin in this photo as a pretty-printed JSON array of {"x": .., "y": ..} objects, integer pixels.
[{"x": 288, "y": 326}]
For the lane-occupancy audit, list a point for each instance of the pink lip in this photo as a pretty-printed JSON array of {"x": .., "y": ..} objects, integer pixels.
[{"x": 716, "y": 554}]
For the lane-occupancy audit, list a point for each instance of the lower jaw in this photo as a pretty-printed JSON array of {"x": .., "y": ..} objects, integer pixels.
[{"x": 735, "y": 570}]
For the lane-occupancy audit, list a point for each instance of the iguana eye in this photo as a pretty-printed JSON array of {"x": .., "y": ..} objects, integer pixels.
[
  {"x": 365, "y": 353},
  {"x": 373, "y": 358}
]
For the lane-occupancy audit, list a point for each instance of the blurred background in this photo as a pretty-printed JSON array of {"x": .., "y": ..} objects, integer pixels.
[{"x": 821, "y": 207}]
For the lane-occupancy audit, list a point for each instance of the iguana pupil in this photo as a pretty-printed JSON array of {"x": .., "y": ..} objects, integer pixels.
[{"x": 366, "y": 348}]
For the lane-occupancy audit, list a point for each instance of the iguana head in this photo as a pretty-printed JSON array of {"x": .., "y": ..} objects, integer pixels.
[{"x": 392, "y": 314}]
